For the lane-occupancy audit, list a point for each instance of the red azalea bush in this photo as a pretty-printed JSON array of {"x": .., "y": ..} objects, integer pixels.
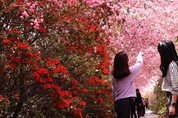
[{"x": 55, "y": 59}]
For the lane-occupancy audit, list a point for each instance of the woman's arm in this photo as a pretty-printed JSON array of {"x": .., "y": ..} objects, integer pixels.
[
  {"x": 174, "y": 76},
  {"x": 135, "y": 69},
  {"x": 172, "y": 109}
]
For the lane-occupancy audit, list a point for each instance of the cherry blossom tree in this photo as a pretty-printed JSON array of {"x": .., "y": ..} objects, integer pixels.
[{"x": 144, "y": 24}]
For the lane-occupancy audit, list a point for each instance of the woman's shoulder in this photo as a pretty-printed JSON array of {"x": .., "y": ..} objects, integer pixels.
[{"x": 173, "y": 63}]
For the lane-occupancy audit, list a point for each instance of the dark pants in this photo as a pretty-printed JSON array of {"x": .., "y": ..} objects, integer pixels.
[
  {"x": 133, "y": 110},
  {"x": 123, "y": 107},
  {"x": 169, "y": 100},
  {"x": 142, "y": 110},
  {"x": 138, "y": 111},
  {"x": 147, "y": 107}
]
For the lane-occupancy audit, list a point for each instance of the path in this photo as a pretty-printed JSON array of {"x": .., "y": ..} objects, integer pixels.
[{"x": 149, "y": 114}]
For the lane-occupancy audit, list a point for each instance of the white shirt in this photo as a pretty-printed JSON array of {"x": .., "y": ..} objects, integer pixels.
[{"x": 170, "y": 81}]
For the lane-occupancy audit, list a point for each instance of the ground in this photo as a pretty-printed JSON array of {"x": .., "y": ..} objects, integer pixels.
[{"x": 149, "y": 114}]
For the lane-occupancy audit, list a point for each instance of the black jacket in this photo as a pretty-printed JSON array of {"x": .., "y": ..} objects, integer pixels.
[{"x": 138, "y": 100}]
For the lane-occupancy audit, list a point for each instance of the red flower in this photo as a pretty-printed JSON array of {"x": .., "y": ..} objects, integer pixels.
[
  {"x": 46, "y": 86},
  {"x": 67, "y": 103},
  {"x": 9, "y": 48},
  {"x": 49, "y": 80},
  {"x": 56, "y": 60},
  {"x": 43, "y": 70},
  {"x": 35, "y": 74},
  {"x": 79, "y": 112},
  {"x": 92, "y": 28},
  {"x": 75, "y": 93},
  {"x": 92, "y": 82},
  {"x": 88, "y": 116},
  {"x": 82, "y": 103},
  {"x": 37, "y": 53},
  {"x": 105, "y": 71},
  {"x": 29, "y": 47},
  {"x": 29, "y": 40},
  {"x": 19, "y": 3},
  {"x": 99, "y": 81},
  {"x": 74, "y": 81},
  {"x": 42, "y": 30},
  {"x": 84, "y": 90},
  {"x": 72, "y": 48},
  {"x": 8, "y": 56},
  {"x": 6, "y": 41},
  {"x": 102, "y": 66},
  {"x": 64, "y": 93},
  {"x": 108, "y": 62},
  {"x": 99, "y": 49},
  {"x": 16, "y": 59},
  {"x": 106, "y": 83},
  {"x": 53, "y": 94},
  {"x": 98, "y": 100},
  {"x": 78, "y": 88},
  {"x": 79, "y": 109},
  {"x": 74, "y": 87},
  {"x": 73, "y": 111},
  {"x": 3, "y": 34},
  {"x": 16, "y": 95},
  {"x": 1, "y": 96},
  {"x": 13, "y": 66},
  {"x": 69, "y": 95},
  {"x": 22, "y": 45}
]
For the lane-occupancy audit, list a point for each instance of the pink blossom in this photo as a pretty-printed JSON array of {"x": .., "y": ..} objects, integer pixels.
[
  {"x": 28, "y": 4},
  {"x": 35, "y": 21},
  {"x": 36, "y": 27},
  {"x": 31, "y": 24},
  {"x": 25, "y": 14},
  {"x": 31, "y": 10},
  {"x": 21, "y": 17},
  {"x": 41, "y": 20},
  {"x": 34, "y": 5}
]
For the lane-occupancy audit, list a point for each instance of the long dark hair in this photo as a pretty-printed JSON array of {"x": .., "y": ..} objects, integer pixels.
[
  {"x": 121, "y": 68},
  {"x": 168, "y": 53}
]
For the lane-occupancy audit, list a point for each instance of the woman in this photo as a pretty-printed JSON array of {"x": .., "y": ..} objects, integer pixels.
[
  {"x": 169, "y": 71},
  {"x": 123, "y": 83}
]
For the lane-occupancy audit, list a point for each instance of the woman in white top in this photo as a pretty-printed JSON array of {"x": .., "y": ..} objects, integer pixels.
[{"x": 169, "y": 71}]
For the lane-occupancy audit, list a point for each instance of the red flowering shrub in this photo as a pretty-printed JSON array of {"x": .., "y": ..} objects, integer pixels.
[{"x": 55, "y": 59}]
